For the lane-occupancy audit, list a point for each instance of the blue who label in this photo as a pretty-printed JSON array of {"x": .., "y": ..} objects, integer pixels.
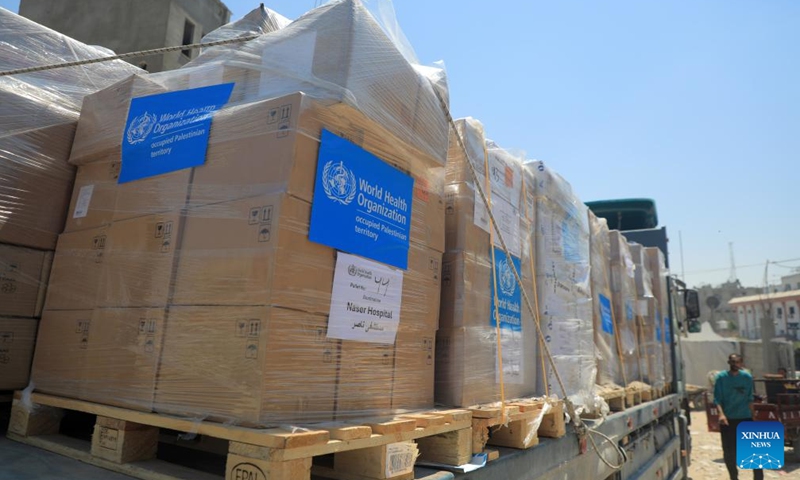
[
  {"x": 759, "y": 445},
  {"x": 667, "y": 330},
  {"x": 169, "y": 131},
  {"x": 509, "y": 297},
  {"x": 605, "y": 314},
  {"x": 361, "y": 204},
  {"x": 658, "y": 327}
]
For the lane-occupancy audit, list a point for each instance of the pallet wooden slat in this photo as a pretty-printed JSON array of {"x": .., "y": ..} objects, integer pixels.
[{"x": 126, "y": 441}]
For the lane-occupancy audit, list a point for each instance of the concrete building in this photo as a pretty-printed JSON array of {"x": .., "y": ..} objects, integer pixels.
[
  {"x": 128, "y": 25},
  {"x": 715, "y": 309},
  {"x": 782, "y": 308}
]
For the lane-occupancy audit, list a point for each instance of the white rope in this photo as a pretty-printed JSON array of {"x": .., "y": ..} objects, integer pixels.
[{"x": 122, "y": 56}]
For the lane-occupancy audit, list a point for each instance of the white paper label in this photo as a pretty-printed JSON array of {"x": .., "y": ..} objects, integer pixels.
[
  {"x": 513, "y": 357},
  {"x": 507, "y": 217},
  {"x": 365, "y": 304},
  {"x": 400, "y": 458},
  {"x": 84, "y": 198}
]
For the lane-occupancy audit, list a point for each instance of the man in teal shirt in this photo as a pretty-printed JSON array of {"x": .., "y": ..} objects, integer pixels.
[{"x": 733, "y": 394}]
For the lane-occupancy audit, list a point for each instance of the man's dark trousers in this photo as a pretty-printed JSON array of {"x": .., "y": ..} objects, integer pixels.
[{"x": 728, "y": 433}]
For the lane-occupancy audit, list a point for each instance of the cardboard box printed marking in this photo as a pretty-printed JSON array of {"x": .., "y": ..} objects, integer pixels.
[
  {"x": 23, "y": 280},
  {"x": 254, "y": 365},
  {"x": 17, "y": 337}
]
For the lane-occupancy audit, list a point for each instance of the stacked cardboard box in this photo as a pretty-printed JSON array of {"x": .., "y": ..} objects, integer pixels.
[
  {"x": 651, "y": 354},
  {"x": 37, "y": 126},
  {"x": 468, "y": 354},
  {"x": 199, "y": 293},
  {"x": 609, "y": 370},
  {"x": 564, "y": 284},
  {"x": 623, "y": 287},
  {"x": 660, "y": 278}
]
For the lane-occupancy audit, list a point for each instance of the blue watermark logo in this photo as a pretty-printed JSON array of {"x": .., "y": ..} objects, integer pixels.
[{"x": 759, "y": 445}]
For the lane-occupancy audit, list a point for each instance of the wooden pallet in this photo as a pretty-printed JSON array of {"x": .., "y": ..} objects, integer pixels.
[
  {"x": 126, "y": 441},
  {"x": 614, "y": 397},
  {"x": 519, "y": 428},
  {"x": 633, "y": 397}
]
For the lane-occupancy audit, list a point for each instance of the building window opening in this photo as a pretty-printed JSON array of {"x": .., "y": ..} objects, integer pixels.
[
  {"x": 780, "y": 312},
  {"x": 188, "y": 37},
  {"x": 791, "y": 312}
]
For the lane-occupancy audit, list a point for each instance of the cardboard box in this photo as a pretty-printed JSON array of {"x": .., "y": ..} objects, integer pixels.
[
  {"x": 139, "y": 263},
  {"x": 35, "y": 185},
  {"x": 461, "y": 233},
  {"x": 59, "y": 364},
  {"x": 366, "y": 371},
  {"x": 78, "y": 267},
  {"x": 122, "y": 356},
  {"x": 467, "y": 365},
  {"x": 256, "y": 251},
  {"x": 23, "y": 280},
  {"x": 414, "y": 369},
  {"x": 17, "y": 338},
  {"x": 94, "y": 197},
  {"x": 466, "y": 291},
  {"x": 103, "y": 117},
  {"x": 98, "y": 199},
  {"x": 251, "y": 365}
]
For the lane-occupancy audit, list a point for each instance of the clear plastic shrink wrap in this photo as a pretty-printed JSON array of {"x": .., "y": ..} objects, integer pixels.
[
  {"x": 199, "y": 292},
  {"x": 38, "y": 113},
  {"x": 660, "y": 276},
  {"x": 651, "y": 354},
  {"x": 609, "y": 370},
  {"x": 468, "y": 358},
  {"x": 652, "y": 372},
  {"x": 564, "y": 285},
  {"x": 623, "y": 288}
]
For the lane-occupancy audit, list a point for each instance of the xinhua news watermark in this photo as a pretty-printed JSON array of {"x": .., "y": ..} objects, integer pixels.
[{"x": 759, "y": 445}]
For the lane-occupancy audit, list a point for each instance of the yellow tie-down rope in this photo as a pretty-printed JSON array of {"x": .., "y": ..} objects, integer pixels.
[
  {"x": 494, "y": 283},
  {"x": 581, "y": 430}
]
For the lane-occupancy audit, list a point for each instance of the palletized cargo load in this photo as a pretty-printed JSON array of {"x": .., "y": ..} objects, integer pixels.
[
  {"x": 481, "y": 299},
  {"x": 623, "y": 286},
  {"x": 230, "y": 277},
  {"x": 609, "y": 368},
  {"x": 564, "y": 285}
]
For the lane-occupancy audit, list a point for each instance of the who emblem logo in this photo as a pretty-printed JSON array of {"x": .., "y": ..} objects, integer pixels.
[
  {"x": 339, "y": 182},
  {"x": 507, "y": 282},
  {"x": 140, "y": 127}
]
